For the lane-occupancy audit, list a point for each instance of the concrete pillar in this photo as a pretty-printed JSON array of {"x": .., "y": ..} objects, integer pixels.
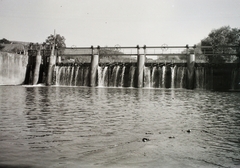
[
  {"x": 52, "y": 62},
  {"x": 59, "y": 59},
  {"x": 94, "y": 67},
  {"x": 191, "y": 68},
  {"x": 191, "y": 58},
  {"x": 140, "y": 66},
  {"x": 37, "y": 67}
]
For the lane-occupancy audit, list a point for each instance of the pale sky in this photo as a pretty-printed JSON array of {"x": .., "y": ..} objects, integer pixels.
[{"x": 110, "y": 22}]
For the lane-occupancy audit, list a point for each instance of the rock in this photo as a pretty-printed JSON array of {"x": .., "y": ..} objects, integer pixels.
[{"x": 145, "y": 139}]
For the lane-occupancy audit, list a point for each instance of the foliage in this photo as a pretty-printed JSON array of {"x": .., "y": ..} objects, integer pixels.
[
  {"x": 1, "y": 46},
  {"x": 113, "y": 55},
  {"x": 35, "y": 46},
  {"x": 58, "y": 40},
  {"x": 105, "y": 55},
  {"x": 219, "y": 39},
  {"x": 5, "y": 41}
]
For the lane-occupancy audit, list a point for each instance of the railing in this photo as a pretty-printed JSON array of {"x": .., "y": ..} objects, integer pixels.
[{"x": 163, "y": 50}]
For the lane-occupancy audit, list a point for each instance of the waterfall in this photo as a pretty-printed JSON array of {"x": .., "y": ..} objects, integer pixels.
[
  {"x": 72, "y": 83},
  {"x": 159, "y": 77},
  {"x": 111, "y": 76},
  {"x": 183, "y": 76},
  {"x": 154, "y": 79},
  {"x": 200, "y": 77},
  {"x": 72, "y": 75},
  {"x": 131, "y": 75},
  {"x": 102, "y": 71},
  {"x": 12, "y": 68},
  {"x": 147, "y": 77},
  {"x": 115, "y": 76},
  {"x": 67, "y": 80},
  {"x": 57, "y": 70},
  {"x": 86, "y": 76},
  {"x": 100, "y": 78},
  {"x": 173, "y": 75},
  {"x": 163, "y": 76},
  {"x": 122, "y": 76},
  {"x": 180, "y": 77},
  {"x": 76, "y": 75}
]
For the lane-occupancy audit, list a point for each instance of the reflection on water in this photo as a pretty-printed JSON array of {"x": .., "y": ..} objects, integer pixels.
[{"x": 104, "y": 127}]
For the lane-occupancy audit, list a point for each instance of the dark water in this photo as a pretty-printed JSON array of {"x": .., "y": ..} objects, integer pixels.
[{"x": 104, "y": 127}]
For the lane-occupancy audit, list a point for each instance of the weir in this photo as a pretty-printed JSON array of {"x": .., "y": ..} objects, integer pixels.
[
  {"x": 12, "y": 68},
  {"x": 41, "y": 67}
]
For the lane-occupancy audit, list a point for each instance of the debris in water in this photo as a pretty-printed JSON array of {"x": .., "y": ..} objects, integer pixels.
[
  {"x": 188, "y": 131},
  {"x": 148, "y": 133},
  {"x": 145, "y": 139}
]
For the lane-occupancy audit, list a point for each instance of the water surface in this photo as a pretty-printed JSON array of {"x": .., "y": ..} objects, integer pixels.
[{"x": 104, "y": 127}]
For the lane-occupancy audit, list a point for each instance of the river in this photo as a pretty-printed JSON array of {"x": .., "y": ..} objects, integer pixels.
[{"x": 104, "y": 127}]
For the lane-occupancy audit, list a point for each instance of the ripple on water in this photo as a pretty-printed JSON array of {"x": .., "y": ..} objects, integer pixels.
[{"x": 104, "y": 127}]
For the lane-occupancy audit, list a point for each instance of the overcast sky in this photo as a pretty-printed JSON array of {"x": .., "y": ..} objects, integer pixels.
[{"x": 111, "y": 22}]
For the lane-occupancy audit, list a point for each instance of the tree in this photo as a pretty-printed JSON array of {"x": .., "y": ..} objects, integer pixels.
[
  {"x": 220, "y": 40},
  {"x": 59, "y": 41},
  {"x": 5, "y": 41}
]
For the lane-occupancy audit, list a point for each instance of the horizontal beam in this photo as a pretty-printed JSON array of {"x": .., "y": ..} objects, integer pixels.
[
  {"x": 129, "y": 47},
  {"x": 75, "y": 55},
  {"x": 145, "y": 47}
]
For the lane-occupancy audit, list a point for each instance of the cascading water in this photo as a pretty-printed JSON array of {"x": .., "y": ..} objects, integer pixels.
[
  {"x": 12, "y": 68},
  {"x": 163, "y": 76},
  {"x": 72, "y": 75},
  {"x": 154, "y": 76},
  {"x": 181, "y": 77},
  {"x": 200, "y": 77},
  {"x": 147, "y": 77},
  {"x": 173, "y": 76},
  {"x": 154, "y": 79},
  {"x": 112, "y": 76},
  {"x": 115, "y": 75},
  {"x": 131, "y": 75},
  {"x": 122, "y": 76},
  {"x": 102, "y": 71},
  {"x": 75, "y": 76},
  {"x": 157, "y": 77}
]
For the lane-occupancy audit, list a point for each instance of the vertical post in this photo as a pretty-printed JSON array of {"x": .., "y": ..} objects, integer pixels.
[
  {"x": 59, "y": 59},
  {"x": 140, "y": 66},
  {"x": 94, "y": 66},
  {"x": 191, "y": 67},
  {"x": 52, "y": 62},
  {"x": 37, "y": 66}
]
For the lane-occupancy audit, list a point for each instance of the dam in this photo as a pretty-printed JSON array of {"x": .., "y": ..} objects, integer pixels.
[{"x": 47, "y": 67}]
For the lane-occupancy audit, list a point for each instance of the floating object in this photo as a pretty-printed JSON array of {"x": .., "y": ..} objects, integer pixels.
[
  {"x": 188, "y": 131},
  {"x": 145, "y": 139},
  {"x": 148, "y": 133},
  {"x": 171, "y": 137}
]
